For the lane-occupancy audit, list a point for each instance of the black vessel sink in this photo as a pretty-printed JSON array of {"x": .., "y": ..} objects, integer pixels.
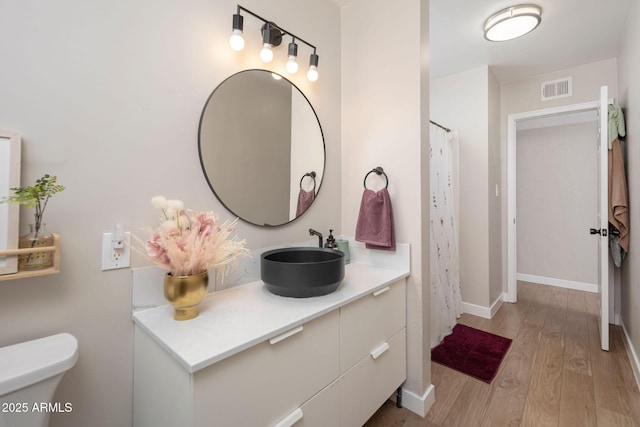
[{"x": 302, "y": 272}]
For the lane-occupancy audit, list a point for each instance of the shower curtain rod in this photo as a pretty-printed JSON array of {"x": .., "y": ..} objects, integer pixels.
[{"x": 439, "y": 125}]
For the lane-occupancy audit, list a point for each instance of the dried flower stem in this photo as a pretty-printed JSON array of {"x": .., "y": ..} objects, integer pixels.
[{"x": 189, "y": 242}]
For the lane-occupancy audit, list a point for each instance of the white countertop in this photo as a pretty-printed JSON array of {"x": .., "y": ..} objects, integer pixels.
[{"x": 235, "y": 319}]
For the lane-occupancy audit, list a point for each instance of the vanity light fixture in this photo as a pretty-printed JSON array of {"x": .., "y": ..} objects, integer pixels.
[
  {"x": 292, "y": 64},
  {"x": 266, "y": 54},
  {"x": 237, "y": 40},
  {"x": 512, "y": 22},
  {"x": 272, "y": 37},
  {"x": 312, "y": 74}
]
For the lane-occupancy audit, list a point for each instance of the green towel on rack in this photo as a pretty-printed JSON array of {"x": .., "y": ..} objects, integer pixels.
[{"x": 616, "y": 123}]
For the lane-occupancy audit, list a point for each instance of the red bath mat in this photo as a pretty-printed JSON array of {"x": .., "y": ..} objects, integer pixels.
[{"x": 472, "y": 351}]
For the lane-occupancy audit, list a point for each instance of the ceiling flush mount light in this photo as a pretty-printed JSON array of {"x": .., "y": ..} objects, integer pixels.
[
  {"x": 272, "y": 37},
  {"x": 512, "y": 22}
]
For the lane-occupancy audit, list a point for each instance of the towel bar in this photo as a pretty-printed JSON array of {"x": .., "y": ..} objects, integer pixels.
[
  {"x": 313, "y": 177},
  {"x": 379, "y": 171}
]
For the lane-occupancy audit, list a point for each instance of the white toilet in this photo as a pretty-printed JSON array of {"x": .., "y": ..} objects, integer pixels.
[{"x": 29, "y": 375}]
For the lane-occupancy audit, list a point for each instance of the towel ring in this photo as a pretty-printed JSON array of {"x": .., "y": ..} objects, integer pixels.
[
  {"x": 313, "y": 177},
  {"x": 379, "y": 171}
]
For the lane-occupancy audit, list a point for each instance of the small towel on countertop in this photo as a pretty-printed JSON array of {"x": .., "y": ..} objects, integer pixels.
[
  {"x": 305, "y": 198},
  {"x": 375, "y": 221}
]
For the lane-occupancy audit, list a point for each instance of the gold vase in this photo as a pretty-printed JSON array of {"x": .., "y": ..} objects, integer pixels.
[{"x": 184, "y": 293}]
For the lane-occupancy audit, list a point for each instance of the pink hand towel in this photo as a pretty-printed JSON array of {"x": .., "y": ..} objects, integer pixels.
[
  {"x": 305, "y": 198},
  {"x": 375, "y": 221}
]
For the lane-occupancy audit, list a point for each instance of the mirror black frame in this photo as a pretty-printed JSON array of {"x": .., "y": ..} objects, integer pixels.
[{"x": 200, "y": 154}]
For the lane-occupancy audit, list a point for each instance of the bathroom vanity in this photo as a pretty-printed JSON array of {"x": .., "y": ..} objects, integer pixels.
[{"x": 256, "y": 359}]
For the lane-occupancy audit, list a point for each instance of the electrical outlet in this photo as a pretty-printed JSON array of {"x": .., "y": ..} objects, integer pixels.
[{"x": 116, "y": 254}]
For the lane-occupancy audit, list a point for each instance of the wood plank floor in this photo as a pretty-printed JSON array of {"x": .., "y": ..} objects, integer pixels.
[{"x": 553, "y": 375}]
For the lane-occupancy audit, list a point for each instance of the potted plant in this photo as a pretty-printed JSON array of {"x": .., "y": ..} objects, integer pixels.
[{"x": 36, "y": 196}]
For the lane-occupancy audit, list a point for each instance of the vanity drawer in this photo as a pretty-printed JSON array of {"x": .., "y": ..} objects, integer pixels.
[
  {"x": 365, "y": 387},
  {"x": 319, "y": 411},
  {"x": 368, "y": 322},
  {"x": 264, "y": 383}
]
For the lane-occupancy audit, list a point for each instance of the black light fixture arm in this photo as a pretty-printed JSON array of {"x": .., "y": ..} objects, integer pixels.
[{"x": 273, "y": 25}]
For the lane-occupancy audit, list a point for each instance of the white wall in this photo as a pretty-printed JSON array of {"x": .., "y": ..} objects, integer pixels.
[
  {"x": 466, "y": 102},
  {"x": 524, "y": 95},
  {"x": 108, "y": 97},
  {"x": 493, "y": 183},
  {"x": 629, "y": 70},
  {"x": 384, "y": 117},
  {"x": 556, "y": 188}
]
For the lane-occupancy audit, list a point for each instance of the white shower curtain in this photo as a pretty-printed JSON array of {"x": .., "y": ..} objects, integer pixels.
[{"x": 446, "y": 301}]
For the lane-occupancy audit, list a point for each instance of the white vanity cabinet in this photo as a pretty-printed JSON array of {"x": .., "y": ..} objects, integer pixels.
[
  {"x": 372, "y": 352},
  {"x": 372, "y": 360},
  {"x": 335, "y": 369},
  {"x": 261, "y": 385},
  {"x": 256, "y": 387}
]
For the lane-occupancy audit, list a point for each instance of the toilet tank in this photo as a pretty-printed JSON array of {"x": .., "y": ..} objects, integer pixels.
[{"x": 31, "y": 362}]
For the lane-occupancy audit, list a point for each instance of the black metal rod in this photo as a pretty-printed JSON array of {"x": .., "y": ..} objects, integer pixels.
[
  {"x": 271, "y": 24},
  {"x": 440, "y": 126}
]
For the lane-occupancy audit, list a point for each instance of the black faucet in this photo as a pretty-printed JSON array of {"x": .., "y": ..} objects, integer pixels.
[{"x": 313, "y": 232}]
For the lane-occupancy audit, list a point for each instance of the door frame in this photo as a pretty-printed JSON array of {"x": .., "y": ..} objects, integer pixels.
[{"x": 512, "y": 120}]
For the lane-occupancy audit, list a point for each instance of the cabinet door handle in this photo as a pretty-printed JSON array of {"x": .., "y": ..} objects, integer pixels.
[
  {"x": 290, "y": 419},
  {"x": 378, "y": 351},
  {"x": 286, "y": 335},
  {"x": 380, "y": 291}
]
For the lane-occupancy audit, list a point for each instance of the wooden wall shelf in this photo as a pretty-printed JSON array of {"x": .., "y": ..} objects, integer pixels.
[{"x": 34, "y": 273}]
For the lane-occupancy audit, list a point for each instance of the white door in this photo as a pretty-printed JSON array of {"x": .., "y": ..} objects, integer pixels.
[{"x": 602, "y": 230}]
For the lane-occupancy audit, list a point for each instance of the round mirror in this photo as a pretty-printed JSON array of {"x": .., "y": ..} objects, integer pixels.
[{"x": 261, "y": 147}]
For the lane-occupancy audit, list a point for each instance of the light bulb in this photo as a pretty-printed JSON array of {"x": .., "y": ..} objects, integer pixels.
[
  {"x": 292, "y": 65},
  {"x": 236, "y": 40},
  {"x": 266, "y": 54},
  {"x": 312, "y": 74}
]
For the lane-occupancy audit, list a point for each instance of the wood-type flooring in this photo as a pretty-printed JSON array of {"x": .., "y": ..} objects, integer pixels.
[{"x": 553, "y": 375}]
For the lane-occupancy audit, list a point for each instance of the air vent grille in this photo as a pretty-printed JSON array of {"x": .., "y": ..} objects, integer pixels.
[{"x": 556, "y": 89}]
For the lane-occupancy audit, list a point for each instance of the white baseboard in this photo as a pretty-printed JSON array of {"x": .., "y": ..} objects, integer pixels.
[
  {"x": 561, "y": 283},
  {"x": 497, "y": 304},
  {"x": 633, "y": 356},
  {"x": 480, "y": 311},
  {"x": 419, "y": 404}
]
